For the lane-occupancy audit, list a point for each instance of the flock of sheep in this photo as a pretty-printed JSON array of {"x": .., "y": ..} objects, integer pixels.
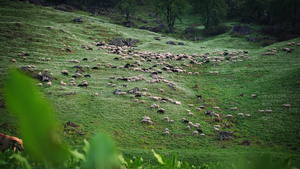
[{"x": 161, "y": 63}]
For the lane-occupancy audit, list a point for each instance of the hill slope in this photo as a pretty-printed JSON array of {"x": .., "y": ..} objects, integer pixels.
[{"x": 43, "y": 32}]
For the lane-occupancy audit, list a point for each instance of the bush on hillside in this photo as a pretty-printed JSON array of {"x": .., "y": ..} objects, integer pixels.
[{"x": 211, "y": 31}]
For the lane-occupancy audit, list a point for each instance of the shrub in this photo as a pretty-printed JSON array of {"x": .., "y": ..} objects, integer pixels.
[
  {"x": 237, "y": 35},
  {"x": 210, "y": 31}
]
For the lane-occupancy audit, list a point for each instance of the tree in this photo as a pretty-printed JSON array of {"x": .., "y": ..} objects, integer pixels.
[
  {"x": 171, "y": 9},
  {"x": 286, "y": 11},
  {"x": 127, "y": 7},
  {"x": 212, "y": 12}
]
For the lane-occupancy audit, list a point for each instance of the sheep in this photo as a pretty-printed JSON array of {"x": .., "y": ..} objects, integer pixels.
[
  {"x": 217, "y": 120},
  {"x": 177, "y": 102},
  {"x": 49, "y": 83},
  {"x": 190, "y": 105},
  {"x": 142, "y": 101},
  {"x": 171, "y": 121},
  {"x": 191, "y": 114},
  {"x": 136, "y": 100},
  {"x": 216, "y": 115},
  {"x": 48, "y": 59},
  {"x": 161, "y": 90},
  {"x": 261, "y": 111},
  {"x": 161, "y": 110},
  {"x": 190, "y": 123},
  {"x": 198, "y": 109},
  {"x": 254, "y": 96},
  {"x": 234, "y": 108},
  {"x": 202, "y": 134},
  {"x": 166, "y": 119},
  {"x": 217, "y": 126},
  {"x": 196, "y": 73},
  {"x": 216, "y": 108},
  {"x": 25, "y": 58},
  {"x": 229, "y": 116},
  {"x": 190, "y": 73},
  {"x": 40, "y": 84},
  {"x": 96, "y": 94},
  {"x": 287, "y": 105},
  {"x": 195, "y": 133},
  {"x": 216, "y": 129},
  {"x": 241, "y": 114},
  {"x": 188, "y": 128},
  {"x": 144, "y": 89},
  {"x": 42, "y": 59},
  {"x": 248, "y": 115},
  {"x": 268, "y": 111},
  {"x": 166, "y": 133}
]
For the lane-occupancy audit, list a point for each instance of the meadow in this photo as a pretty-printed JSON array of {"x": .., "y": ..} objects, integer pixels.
[{"x": 43, "y": 31}]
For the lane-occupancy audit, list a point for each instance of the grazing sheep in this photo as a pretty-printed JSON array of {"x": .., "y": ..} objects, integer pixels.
[
  {"x": 196, "y": 73},
  {"x": 142, "y": 101},
  {"x": 261, "y": 111},
  {"x": 287, "y": 105},
  {"x": 217, "y": 126},
  {"x": 191, "y": 114},
  {"x": 40, "y": 84},
  {"x": 166, "y": 133},
  {"x": 190, "y": 73},
  {"x": 234, "y": 108},
  {"x": 177, "y": 102},
  {"x": 171, "y": 121},
  {"x": 144, "y": 89},
  {"x": 229, "y": 116},
  {"x": 161, "y": 90},
  {"x": 217, "y": 115},
  {"x": 241, "y": 114},
  {"x": 190, "y": 105},
  {"x": 166, "y": 118},
  {"x": 188, "y": 128},
  {"x": 198, "y": 109},
  {"x": 195, "y": 133},
  {"x": 96, "y": 94},
  {"x": 202, "y": 134},
  {"x": 254, "y": 96},
  {"x": 166, "y": 129},
  {"x": 42, "y": 59},
  {"x": 248, "y": 115},
  {"x": 161, "y": 110},
  {"x": 268, "y": 111},
  {"x": 217, "y": 120},
  {"x": 48, "y": 59},
  {"x": 216, "y": 108},
  {"x": 190, "y": 123},
  {"x": 136, "y": 100},
  {"x": 49, "y": 83},
  {"x": 216, "y": 129}
]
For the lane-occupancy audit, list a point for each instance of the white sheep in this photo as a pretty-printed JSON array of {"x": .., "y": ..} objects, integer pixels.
[
  {"x": 268, "y": 111},
  {"x": 142, "y": 101},
  {"x": 190, "y": 123},
  {"x": 198, "y": 109},
  {"x": 136, "y": 100},
  {"x": 188, "y": 128},
  {"x": 216, "y": 129},
  {"x": 166, "y": 118},
  {"x": 190, "y": 105},
  {"x": 202, "y": 134},
  {"x": 241, "y": 114},
  {"x": 49, "y": 83},
  {"x": 195, "y": 133},
  {"x": 191, "y": 114},
  {"x": 40, "y": 84},
  {"x": 171, "y": 121},
  {"x": 166, "y": 133},
  {"x": 248, "y": 115},
  {"x": 234, "y": 108},
  {"x": 96, "y": 94},
  {"x": 217, "y": 126},
  {"x": 229, "y": 116},
  {"x": 287, "y": 105},
  {"x": 261, "y": 111}
]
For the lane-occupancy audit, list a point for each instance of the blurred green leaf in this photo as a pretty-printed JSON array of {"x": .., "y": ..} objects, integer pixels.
[
  {"x": 158, "y": 157},
  {"x": 22, "y": 160},
  {"x": 101, "y": 154},
  {"x": 36, "y": 119}
]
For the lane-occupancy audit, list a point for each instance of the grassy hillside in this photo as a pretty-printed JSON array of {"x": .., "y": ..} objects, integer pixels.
[{"x": 42, "y": 33}]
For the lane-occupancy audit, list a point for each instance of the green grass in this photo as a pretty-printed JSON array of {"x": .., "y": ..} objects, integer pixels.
[{"x": 274, "y": 78}]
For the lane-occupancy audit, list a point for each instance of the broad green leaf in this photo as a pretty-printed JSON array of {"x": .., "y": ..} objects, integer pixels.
[
  {"x": 77, "y": 155},
  {"x": 36, "y": 119},
  {"x": 158, "y": 157},
  {"x": 101, "y": 154}
]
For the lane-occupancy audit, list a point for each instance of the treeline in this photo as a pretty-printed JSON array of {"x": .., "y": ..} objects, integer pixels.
[{"x": 280, "y": 14}]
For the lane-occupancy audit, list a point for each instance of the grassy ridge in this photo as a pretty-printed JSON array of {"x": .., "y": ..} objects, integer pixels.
[{"x": 42, "y": 32}]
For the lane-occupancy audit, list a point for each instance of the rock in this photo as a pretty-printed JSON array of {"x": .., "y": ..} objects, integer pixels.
[
  {"x": 246, "y": 143},
  {"x": 158, "y": 21},
  {"x": 66, "y": 8},
  {"x": 252, "y": 39},
  {"x": 244, "y": 30},
  {"x": 171, "y": 43},
  {"x": 77, "y": 20},
  {"x": 145, "y": 27},
  {"x": 117, "y": 91},
  {"x": 152, "y": 15},
  {"x": 225, "y": 135},
  {"x": 180, "y": 43},
  {"x": 124, "y": 42},
  {"x": 197, "y": 38},
  {"x": 156, "y": 38},
  {"x": 159, "y": 28},
  {"x": 135, "y": 89},
  {"x": 129, "y": 24}
]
